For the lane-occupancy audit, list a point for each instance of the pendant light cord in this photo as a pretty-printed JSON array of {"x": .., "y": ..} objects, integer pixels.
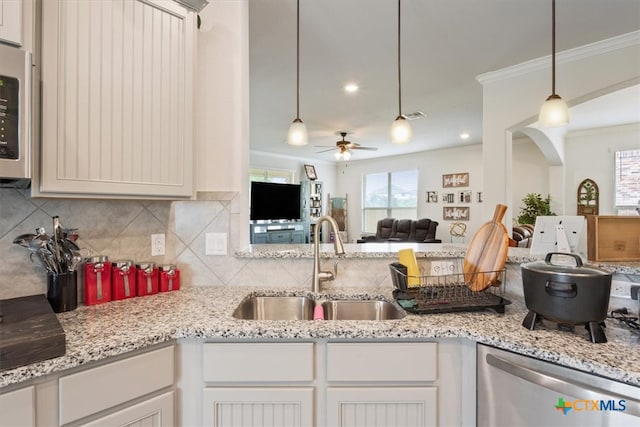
[
  {"x": 298, "y": 61},
  {"x": 553, "y": 47},
  {"x": 399, "y": 69}
]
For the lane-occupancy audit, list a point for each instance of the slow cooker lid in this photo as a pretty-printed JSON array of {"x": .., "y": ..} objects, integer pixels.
[{"x": 548, "y": 267}]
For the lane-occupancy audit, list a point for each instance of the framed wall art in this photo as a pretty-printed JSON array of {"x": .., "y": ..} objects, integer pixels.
[
  {"x": 310, "y": 170},
  {"x": 455, "y": 213},
  {"x": 455, "y": 180}
]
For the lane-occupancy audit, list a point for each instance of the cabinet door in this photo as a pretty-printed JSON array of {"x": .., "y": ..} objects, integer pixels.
[
  {"x": 18, "y": 408},
  {"x": 11, "y": 21},
  {"x": 155, "y": 412},
  {"x": 278, "y": 407},
  {"x": 382, "y": 406},
  {"x": 117, "y": 95}
]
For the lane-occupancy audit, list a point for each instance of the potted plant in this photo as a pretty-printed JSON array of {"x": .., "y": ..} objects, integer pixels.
[{"x": 534, "y": 206}]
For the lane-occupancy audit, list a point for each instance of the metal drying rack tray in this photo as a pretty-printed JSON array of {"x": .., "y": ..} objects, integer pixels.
[{"x": 446, "y": 292}]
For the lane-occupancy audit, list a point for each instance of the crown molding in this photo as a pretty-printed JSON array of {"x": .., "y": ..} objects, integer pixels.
[{"x": 575, "y": 54}]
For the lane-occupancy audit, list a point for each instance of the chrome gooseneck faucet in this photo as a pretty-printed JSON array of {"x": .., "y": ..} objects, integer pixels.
[{"x": 322, "y": 276}]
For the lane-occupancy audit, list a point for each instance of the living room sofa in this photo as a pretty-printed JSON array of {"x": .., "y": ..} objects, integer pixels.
[{"x": 404, "y": 230}]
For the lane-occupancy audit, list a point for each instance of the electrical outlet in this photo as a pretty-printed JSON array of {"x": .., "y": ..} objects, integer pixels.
[{"x": 157, "y": 244}]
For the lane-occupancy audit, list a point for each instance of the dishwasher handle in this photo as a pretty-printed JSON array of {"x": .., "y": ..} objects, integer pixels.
[{"x": 562, "y": 385}]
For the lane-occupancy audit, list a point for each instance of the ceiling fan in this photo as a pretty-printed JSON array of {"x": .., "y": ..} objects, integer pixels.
[{"x": 344, "y": 147}]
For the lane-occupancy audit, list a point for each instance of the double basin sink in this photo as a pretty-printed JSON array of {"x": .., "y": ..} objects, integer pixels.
[{"x": 302, "y": 308}]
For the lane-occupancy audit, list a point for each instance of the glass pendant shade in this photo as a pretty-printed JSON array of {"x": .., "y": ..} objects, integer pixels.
[
  {"x": 346, "y": 155},
  {"x": 337, "y": 155},
  {"x": 400, "y": 131},
  {"x": 554, "y": 112},
  {"x": 297, "y": 133}
]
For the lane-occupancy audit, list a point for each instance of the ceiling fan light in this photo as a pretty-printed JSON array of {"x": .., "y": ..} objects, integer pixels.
[
  {"x": 297, "y": 135},
  {"x": 400, "y": 131},
  {"x": 337, "y": 155},
  {"x": 346, "y": 155},
  {"x": 554, "y": 112}
]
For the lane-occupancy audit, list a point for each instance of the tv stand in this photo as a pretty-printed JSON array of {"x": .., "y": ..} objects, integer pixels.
[{"x": 277, "y": 232}]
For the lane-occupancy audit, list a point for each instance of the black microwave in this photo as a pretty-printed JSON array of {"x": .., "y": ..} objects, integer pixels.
[{"x": 15, "y": 113}]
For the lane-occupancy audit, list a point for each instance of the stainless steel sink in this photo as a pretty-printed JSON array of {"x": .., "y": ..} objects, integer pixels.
[
  {"x": 275, "y": 308},
  {"x": 361, "y": 310}
]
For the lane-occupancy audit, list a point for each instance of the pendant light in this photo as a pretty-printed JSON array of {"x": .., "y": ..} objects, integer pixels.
[
  {"x": 400, "y": 129},
  {"x": 297, "y": 131},
  {"x": 554, "y": 111}
]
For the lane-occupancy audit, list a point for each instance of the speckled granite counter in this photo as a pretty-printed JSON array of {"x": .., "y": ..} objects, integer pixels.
[
  {"x": 422, "y": 250},
  {"x": 98, "y": 332}
]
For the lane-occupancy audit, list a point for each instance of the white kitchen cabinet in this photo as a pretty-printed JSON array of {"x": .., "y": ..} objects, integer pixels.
[
  {"x": 382, "y": 384},
  {"x": 17, "y": 408},
  {"x": 117, "y": 98},
  {"x": 264, "y": 406},
  {"x": 11, "y": 21},
  {"x": 382, "y": 406},
  {"x": 154, "y": 412},
  {"x": 269, "y": 383},
  {"x": 90, "y": 391}
]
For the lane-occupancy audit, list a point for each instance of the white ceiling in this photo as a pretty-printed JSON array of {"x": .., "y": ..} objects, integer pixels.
[{"x": 445, "y": 45}]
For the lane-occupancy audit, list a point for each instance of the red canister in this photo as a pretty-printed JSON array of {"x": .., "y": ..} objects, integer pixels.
[
  {"x": 146, "y": 278},
  {"x": 97, "y": 280},
  {"x": 169, "y": 278},
  {"x": 123, "y": 279}
]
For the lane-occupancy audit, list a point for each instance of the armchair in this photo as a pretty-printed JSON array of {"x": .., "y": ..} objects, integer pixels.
[{"x": 425, "y": 231}]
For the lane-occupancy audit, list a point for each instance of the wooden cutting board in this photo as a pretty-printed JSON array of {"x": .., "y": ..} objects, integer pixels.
[
  {"x": 29, "y": 332},
  {"x": 487, "y": 252}
]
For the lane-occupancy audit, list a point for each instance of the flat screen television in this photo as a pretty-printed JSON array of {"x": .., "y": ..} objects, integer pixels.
[{"x": 270, "y": 201}]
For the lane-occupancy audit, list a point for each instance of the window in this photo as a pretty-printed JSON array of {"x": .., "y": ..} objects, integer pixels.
[
  {"x": 271, "y": 175},
  {"x": 627, "y": 181},
  {"x": 389, "y": 195}
]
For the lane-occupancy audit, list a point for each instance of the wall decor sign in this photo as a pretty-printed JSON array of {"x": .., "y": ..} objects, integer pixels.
[
  {"x": 464, "y": 196},
  {"x": 455, "y": 213},
  {"x": 432, "y": 197},
  {"x": 455, "y": 180},
  {"x": 479, "y": 194},
  {"x": 448, "y": 197}
]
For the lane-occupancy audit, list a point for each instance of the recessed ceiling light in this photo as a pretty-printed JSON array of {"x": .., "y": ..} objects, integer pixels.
[
  {"x": 464, "y": 135},
  {"x": 351, "y": 88}
]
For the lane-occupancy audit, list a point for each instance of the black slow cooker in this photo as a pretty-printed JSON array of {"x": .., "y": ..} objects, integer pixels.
[{"x": 566, "y": 294}]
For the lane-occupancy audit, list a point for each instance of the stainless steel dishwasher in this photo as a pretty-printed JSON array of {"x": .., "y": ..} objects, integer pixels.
[{"x": 515, "y": 390}]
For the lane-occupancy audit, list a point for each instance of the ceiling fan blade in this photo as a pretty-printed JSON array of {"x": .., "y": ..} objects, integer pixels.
[
  {"x": 324, "y": 151},
  {"x": 325, "y": 146},
  {"x": 365, "y": 148}
]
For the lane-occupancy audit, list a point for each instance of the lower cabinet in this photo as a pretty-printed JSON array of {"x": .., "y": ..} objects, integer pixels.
[
  {"x": 154, "y": 412},
  {"x": 264, "y": 406},
  {"x": 332, "y": 384},
  {"x": 382, "y": 406},
  {"x": 17, "y": 408},
  {"x": 383, "y": 384},
  {"x": 268, "y": 383}
]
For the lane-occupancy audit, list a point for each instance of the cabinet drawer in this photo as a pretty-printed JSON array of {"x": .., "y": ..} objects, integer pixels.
[
  {"x": 280, "y": 237},
  {"x": 253, "y": 362},
  {"x": 399, "y": 361},
  {"x": 18, "y": 408},
  {"x": 94, "y": 390}
]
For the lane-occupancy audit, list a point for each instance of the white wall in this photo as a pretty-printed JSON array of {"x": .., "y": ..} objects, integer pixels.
[
  {"x": 530, "y": 174},
  {"x": 431, "y": 165},
  {"x": 590, "y": 154}
]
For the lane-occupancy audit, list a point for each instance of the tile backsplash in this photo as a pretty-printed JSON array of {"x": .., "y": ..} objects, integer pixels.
[{"x": 120, "y": 229}]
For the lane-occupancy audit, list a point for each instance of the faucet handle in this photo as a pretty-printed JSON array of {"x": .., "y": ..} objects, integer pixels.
[{"x": 335, "y": 269}]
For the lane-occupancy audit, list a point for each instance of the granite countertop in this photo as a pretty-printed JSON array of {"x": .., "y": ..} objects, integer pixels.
[
  {"x": 97, "y": 332},
  {"x": 422, "y": 250}
]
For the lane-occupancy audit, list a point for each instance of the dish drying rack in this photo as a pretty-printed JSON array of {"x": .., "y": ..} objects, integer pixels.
[{"x": 446, "y": 290}]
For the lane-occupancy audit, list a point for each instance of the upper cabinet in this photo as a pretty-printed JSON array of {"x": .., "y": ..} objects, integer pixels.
[
  {"x": 11, "y": 21},
  {"x": 117, "y": 98}
]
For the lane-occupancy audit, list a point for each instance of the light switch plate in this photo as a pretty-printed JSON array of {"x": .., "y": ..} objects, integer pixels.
[{"x": 215, "y": 244}]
